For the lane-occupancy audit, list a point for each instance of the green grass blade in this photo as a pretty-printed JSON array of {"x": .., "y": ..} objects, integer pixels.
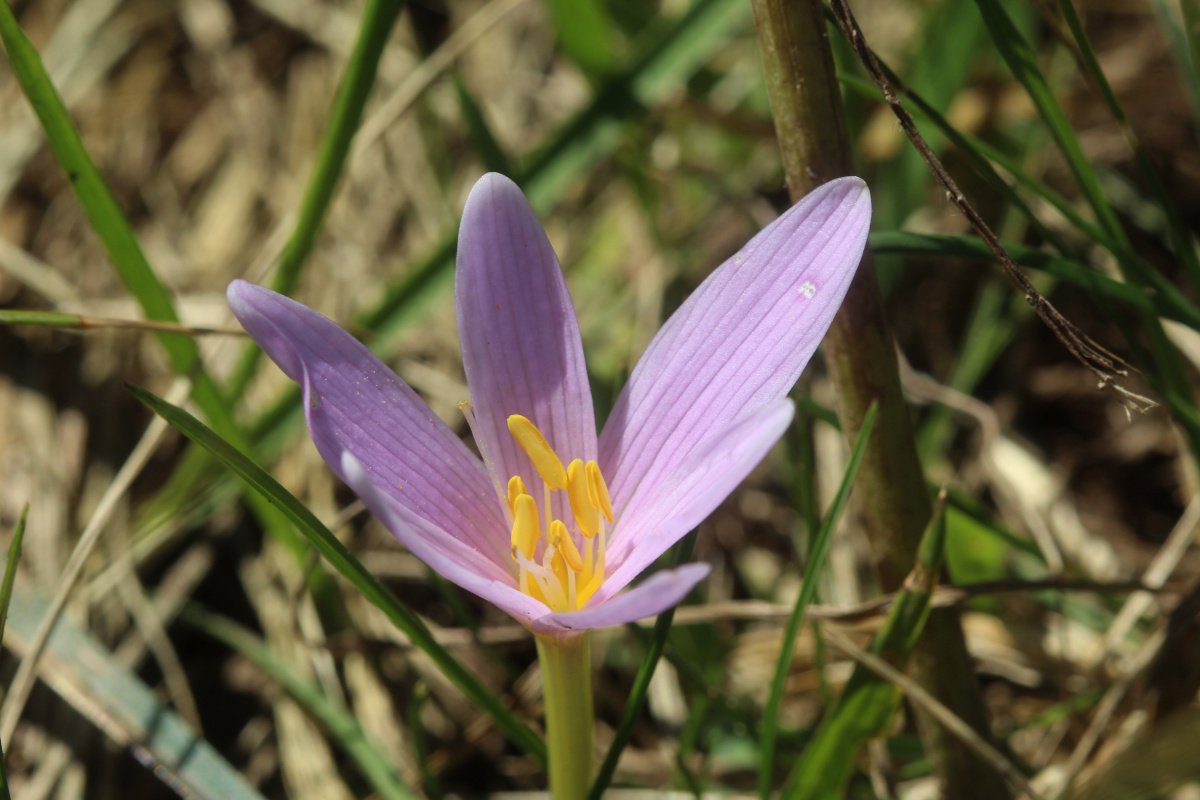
[
  {"x": 483, "y": 141},
  {"x": 417, "y": 733},
  {"x": 69, "y": 321},
  {"x": 868, "y": 702},
  {"x": 10, "y": 575},
  {"x": 1181, "y": 240},
  {"x": 949, "y": 32},
  {"x": 1183, "y": 39},
  {"x": 641, "y": 684},
  {"x": 349, "y": 567},
  {"x": 10, "y": 567},
  {"x": 1169, "y": 305},
  {"x": 587, "y": 35},
  {"x": 47, "y": 319},
  {"x": 1020, "y": 59},
  {"x": 341, "y": 723},
  {"x": 379, "y": 17},
  {"x": 86, "y": 675},
  {"x": 105, "y": 216},
  {"x": 816, "y": 562}
]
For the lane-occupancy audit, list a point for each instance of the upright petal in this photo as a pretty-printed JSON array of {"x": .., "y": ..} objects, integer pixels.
[
  {"x": 355, "y": 404},
  {"x": 656, "y": 594},
  {"x": 686, "y": 497},
  {"x": 520, "y": 339},
  {"x": 739, "y": 342},
  {"x": 449, "y": 557}
]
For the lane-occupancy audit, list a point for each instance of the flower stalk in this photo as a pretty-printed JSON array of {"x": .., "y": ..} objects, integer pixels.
[
  {"x": 893, "y": 504},
  {"x": 565, "y": 662}
]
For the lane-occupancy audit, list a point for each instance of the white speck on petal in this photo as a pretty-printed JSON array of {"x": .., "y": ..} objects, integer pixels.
[{"x": 807, "y": 289}]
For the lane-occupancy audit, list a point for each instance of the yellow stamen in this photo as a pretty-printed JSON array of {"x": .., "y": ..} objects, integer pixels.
[
  {"x": 560, "y": 537},
  {"x": 598, "y": 490},
  {"x": 516, "y": 488},
  {"x": 529, "y": 586},
  {"x": 589, "y": 589},
  {"x": 589, "y": 562},
  {"x": 526, "y": 529},
  {"x": 552, "y": 585},
  {"x": 544, "y": 459},
  {"x": 586, "y": 514}
]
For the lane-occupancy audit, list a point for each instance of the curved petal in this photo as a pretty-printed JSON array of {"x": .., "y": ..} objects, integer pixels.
[
  {"x": 739, "y": 342},
  {"x": 656, "y": 594},
  {"x": 448, "y": 556},
  {"x": 354, "y": 403},
  {"x": 520, "y": 339},
  {"x": 688, "y": 496}
]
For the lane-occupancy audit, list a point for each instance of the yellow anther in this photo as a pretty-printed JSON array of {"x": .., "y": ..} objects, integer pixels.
[
  {"x": 525, "y": 529},
  {"x": 544, "y": 459},
  {"x": 516, "y": 488},
  {"x": 598, "y": 490},
  {"x": 560, "y": 537},
  {"x": 586, "y": 514}
]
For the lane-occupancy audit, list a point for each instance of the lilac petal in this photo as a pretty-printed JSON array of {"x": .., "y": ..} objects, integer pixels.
[
  {"x": 738, "y": 343},
  {"x": 520, "y": 339},
  {"x": 687, "y": 497},
  {"x": 354, "y": 403},
  {"x": 449, "y": 557},
  {"x": 656, "y": 594}
]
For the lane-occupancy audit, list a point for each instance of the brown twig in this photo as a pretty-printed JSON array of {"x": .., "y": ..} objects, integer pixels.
[{"x": 1097, "y": 359}]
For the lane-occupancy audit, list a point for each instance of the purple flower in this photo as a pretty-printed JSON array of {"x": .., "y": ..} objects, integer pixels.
[{"x": 547, "y": 540}]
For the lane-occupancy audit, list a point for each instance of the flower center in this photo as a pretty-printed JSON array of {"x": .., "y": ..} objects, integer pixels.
[{"x": 552, "y": 566}]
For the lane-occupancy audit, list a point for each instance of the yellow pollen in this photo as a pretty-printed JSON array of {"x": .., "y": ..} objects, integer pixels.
[
  {"x": 586, "y": 516},
  {"x": 557, "y": 571},
  {"x": 560, "y": 537},
  {"x": 516, "y": 488},
  {"x": 525, "y": 529},
  {"x": 598, "y": 490},
  {"x": 544, "y": 459}
]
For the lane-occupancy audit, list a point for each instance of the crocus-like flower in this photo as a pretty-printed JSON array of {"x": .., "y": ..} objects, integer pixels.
[{"x": 554, "y": 522}]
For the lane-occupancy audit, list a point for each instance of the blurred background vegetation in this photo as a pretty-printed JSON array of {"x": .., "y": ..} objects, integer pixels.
[{"x": 642, "y": 133}]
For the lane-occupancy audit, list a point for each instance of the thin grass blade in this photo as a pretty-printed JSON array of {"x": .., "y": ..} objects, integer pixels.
[
  {"x": 587, "y": 36},
  {"x": 818, "y": 550},
  {"x": 379, "y": 17},
  {"x": 88, "y": 677},
  {"x": 342, "y": 725},
  {"x": 487, "y": 148},
  {"x": 106, "y": 218},
  {"x": 868, "y": 702},
  {"x": 6, "y": 588},
  {"x": 641, "y": 684},
  {"x": 1171, "y": 305},
  {"x": 1181, "y": 239},
  {"x": 10, "y": 568}
]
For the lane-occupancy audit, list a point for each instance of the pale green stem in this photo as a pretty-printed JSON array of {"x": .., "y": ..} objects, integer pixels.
[{"x": 567, "y": 691}]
